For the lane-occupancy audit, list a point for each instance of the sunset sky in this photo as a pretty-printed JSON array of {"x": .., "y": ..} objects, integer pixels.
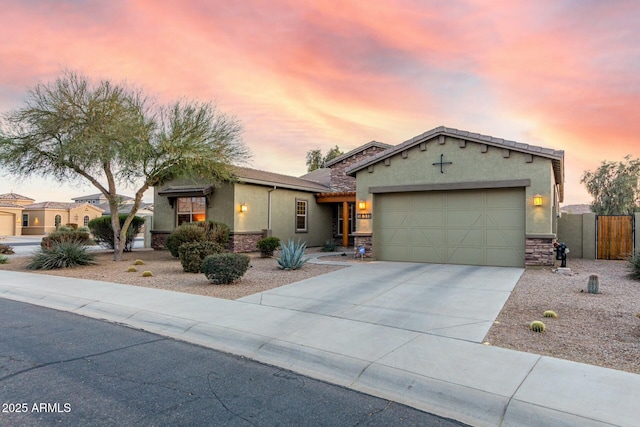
[{"x": 314, "y": 74}]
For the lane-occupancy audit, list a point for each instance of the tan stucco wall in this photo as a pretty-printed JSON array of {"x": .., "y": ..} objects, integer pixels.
[
  {"x": 469, "y": 164},
  {"x": 570, "y": 231},
  {"x": 42, "y": 221},
  {"x": 636, "y": 243}
]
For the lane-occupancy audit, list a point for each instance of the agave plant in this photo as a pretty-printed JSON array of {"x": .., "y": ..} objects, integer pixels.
[{"x": 291, "y": 255}]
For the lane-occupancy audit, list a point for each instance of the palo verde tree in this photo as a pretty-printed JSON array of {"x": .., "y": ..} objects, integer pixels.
[
  {"x": 615, "y": 187},
  {"x": 75, "y": 129}
]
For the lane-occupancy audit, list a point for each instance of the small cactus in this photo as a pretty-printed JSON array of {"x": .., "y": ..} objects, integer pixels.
[
  {"x": 147, "y": 274},
  {"x": 594, "y": 284},
  {"x": 537, "y": 326},
  {"x": 550, "y": 313},
  {"x": 131, "y": 270},
  {"x": 138, "y": 262}
]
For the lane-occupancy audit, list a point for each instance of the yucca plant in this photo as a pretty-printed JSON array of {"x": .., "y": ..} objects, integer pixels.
[
  {"x": 62, "y": 255},
  {"x": 291, "y": 255}
]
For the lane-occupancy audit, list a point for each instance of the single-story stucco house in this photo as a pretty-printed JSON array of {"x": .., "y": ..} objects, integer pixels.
[{"x": 446, "y": 196}]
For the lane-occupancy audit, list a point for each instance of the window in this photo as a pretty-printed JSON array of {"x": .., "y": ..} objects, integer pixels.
[
  {"x": 57, "y": 221},
  {"x": 86, "y": 220},
  {"x": 301, "y": 216},
  {"x": 191, "y": 209},
  {"x": 25, "y": 220},
  {"x": 352, "y": 219}
]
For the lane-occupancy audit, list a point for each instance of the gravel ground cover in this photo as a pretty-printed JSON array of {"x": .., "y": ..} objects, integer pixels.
[{"x": 600, "y": 329}]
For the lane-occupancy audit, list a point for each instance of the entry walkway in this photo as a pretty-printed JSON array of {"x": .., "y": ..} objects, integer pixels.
[{"x": 406, "y": 332}]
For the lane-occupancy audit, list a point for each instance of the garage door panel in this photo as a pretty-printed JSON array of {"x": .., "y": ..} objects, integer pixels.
[
  {"x": 465, "y": 237},
  {"x": 394, "y": 236},
  {"x": 427, "y": 236},
  {"x": 468, "y": 217},
  {"x": 504, "y": 257},
  {"x": 431, "y": 219},
  {"x": 478, "y": 227}
]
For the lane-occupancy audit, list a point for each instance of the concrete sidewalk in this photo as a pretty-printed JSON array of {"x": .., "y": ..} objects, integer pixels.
[{"x": 443, "y": 370}]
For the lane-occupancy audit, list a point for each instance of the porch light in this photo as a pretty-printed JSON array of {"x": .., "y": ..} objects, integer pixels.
[
  {"x": 537, "y": 200},
  {"x": 362, "y": 205},
  {"x": 243, "y": 207}
]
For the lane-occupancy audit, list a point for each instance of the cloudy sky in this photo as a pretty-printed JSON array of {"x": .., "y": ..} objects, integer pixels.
[{"x": 314, "y": 74}]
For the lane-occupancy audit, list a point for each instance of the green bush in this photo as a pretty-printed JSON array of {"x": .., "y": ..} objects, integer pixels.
[
  {"x": 193, "y": 253},
  {"x": 103, "y": 231},
  {"x": 268, "y": 245},
  {"x": 6, "y": 249},
  {"x": 634, "y": 265},
  {"x": 216, "y": 232},
  {"x": 62, "y": 255},
  {"x": 4, "y": 259},
  {"x": 291, "y": 255},
  {"x": 225, "y": 268},
  {"x": 186, "y": 233},
  {"x": 66, "y": 234},
  {"x": 329, "y": 246}
]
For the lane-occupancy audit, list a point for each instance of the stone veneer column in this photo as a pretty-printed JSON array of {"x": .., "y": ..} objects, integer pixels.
[
  {"x": 539, "y": 251},
  {"x": 244, "y": 242},
  {"x": 159, "y": 239},
  {"x": 365, "y": 240}
]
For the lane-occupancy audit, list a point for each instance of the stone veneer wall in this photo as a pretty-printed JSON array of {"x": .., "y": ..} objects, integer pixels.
[
  {"x": 340, "y": 181},
  {"x": 158, "y": 239},
  {"x": 244, "y": 242},
  {"x": 365, "y": 240},
  {"x": 539, "y": 251}
]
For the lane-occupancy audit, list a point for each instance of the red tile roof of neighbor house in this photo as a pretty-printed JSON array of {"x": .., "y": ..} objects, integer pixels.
[
  {"x": 57, "y": 205},
  {"x": 13, "y": 196}
]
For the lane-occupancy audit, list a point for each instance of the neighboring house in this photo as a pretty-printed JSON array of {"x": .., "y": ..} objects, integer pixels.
[
  {"x": 100, "y": 199},
  {"x": 45, "y": 217},
  {"x": 446, "y": 196},
  {"x": 11, "y": 206}
]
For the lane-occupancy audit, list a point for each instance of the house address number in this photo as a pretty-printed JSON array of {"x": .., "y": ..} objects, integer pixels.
[{"x": 363, "y": 216}]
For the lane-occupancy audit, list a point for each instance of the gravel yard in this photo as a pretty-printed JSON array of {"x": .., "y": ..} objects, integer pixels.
[{"x": 597, "y": 329}]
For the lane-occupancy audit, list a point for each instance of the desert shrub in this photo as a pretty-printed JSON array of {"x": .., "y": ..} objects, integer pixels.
[
  {"x": 216, "y": 232},
  {"x": 6, "y": 249},
  {"x": 62, "y": 255},
  {"x": 329, "y": 246},
  {"x": 185, "y": 233},
  {"x": 147, "y": 273},
  {"x": 71, "y": 225},
  {"x": 268, "y": 245},
  {"x": 193, "y": 253},
  {"x": 225, "y": 268},
  {"x": 131, "y": 270},
  {"x": 4, "y": 259},
  {"x": 634, "y": 265},
  {"x": 66, "y": 234},
  {"x": 291, "y": 255},
  {"x": 103, "y": 231}
]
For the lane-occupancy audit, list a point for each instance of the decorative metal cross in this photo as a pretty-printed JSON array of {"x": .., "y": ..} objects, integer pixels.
[{"x": 441, "y": 163}]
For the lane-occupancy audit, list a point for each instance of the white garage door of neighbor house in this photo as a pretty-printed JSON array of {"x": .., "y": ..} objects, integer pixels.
[{"x": 476, "y": 227}]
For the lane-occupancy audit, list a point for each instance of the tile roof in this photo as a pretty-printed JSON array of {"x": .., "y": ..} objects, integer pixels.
[
  {"x": 56, "y": 205},
  {"x": 9, "y": 205},
  {"x": 255, "y": 176},
  {"x": 13, "y": 196},
  {"x": 358, "y": 150},
  {"x": 321, "y": 176},
  {"x": 556, "y": 156}
]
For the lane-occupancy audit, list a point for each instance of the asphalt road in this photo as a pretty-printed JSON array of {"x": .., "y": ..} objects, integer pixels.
[{"x": 58, "y": 368}]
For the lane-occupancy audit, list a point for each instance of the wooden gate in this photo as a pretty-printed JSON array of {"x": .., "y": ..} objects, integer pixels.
[{"x": 614, "y": 236}]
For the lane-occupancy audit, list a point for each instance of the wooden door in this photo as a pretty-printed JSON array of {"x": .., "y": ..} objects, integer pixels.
[{"x": 614, "y": 236}]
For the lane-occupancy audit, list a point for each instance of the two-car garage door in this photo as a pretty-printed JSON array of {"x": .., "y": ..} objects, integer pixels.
[{"x": 477, "y": 227}]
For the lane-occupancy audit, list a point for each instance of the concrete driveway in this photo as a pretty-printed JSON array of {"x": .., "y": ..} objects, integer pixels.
[{"x": 454, "y": 301}]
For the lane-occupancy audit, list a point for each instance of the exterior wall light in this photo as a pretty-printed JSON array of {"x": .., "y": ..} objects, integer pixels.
[
  {"x": 243, "y": 207},
  {"x": 537, "y": 200},
  {"x": 362, "y": 205}
]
